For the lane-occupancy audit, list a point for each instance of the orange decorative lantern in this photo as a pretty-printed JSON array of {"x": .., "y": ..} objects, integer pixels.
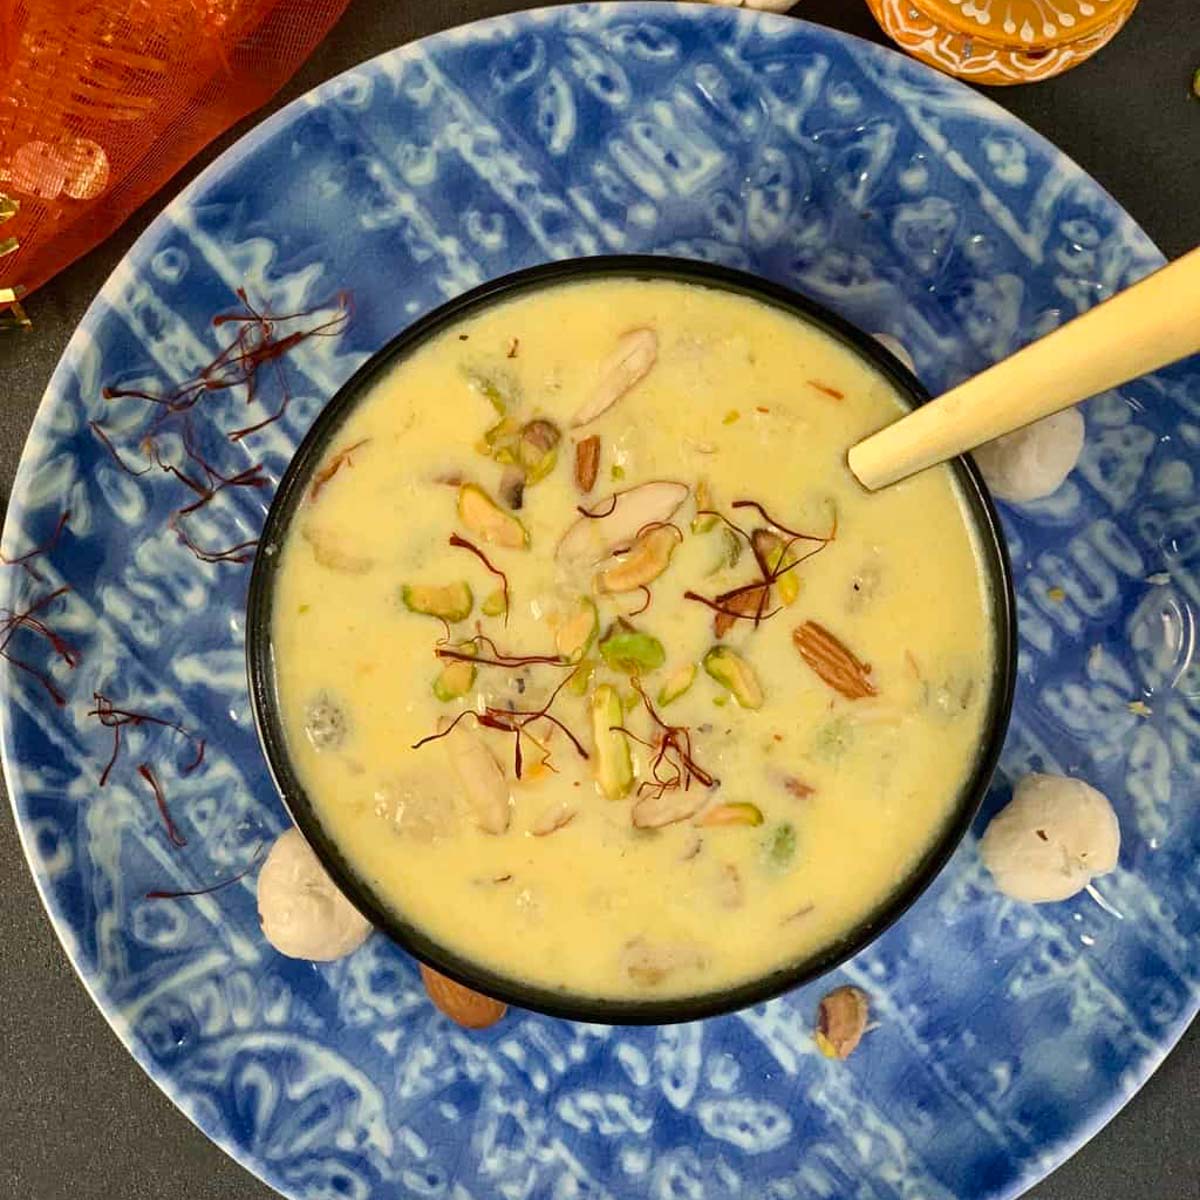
[
  {"x": 1002, "y": 41},
  {"x": 102, "y": 101}
]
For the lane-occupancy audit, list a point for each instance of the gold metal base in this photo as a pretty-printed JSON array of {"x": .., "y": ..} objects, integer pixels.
[{"x": 12, "y": 314}]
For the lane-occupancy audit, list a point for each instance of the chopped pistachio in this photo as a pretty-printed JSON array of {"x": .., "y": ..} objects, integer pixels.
[
  {"x": 703, "y": 521},
  {"x": 788, "y": 587},
  {"x": 581, "y": 678},
  {"x": 512, "y": 488},
  {"x": 498, "y": 387},
  {"x": 676, "y": 684},
  {"x": 493, "y": 603},
  {"x": 537, "y": 449},
  {"x": 498, "y": 440},
  {"x": 452, "y": 602},
  {"x": 617, "y": 472},
  {"x": 527, "y": 452},
  {"x": 832, "y": 738},
  {"x": 454, "y": 681},
  {"x": 627, "y": 649},
  {"x": 740, "y": 812},
  {"x": 730, "y": 417},
  {"x": 781, "y": 844},
  {"x": 482, "y": 515},
  {"x": 732, "y": 671},
  {"x": 614, "y": 767},
  {"x": 645, "y": 561},
  {"x": 773, "y": 552},
  {"x": 576, "y": 634},
  {"x": 729, "y": 553}
]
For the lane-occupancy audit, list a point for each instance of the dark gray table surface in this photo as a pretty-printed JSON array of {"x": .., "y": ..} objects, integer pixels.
[{"x": 78, "y": 1118}]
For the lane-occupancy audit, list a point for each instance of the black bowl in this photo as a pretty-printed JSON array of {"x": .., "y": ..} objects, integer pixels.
[{"x": 260, "y": 654}]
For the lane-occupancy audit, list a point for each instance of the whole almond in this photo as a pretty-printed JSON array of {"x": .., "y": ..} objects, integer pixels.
[
  {"x": 481, "y": 777},
  {"x": 655, "y": 811},
  {"x": 473, "y": 1010},
  {"x": 747, "y": 604},
  {"x": 841, "y": 1021},
  {"x": 833, "y": 661},
  {"x": 554, "y": 818},
  {"x": 332, "y": 554},
  {"x": 587, "y": 462},
  {"x": 617, "y": 520}
]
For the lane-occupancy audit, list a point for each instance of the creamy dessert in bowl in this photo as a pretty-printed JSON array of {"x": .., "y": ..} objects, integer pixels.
[{"x": 589, "y": 671}]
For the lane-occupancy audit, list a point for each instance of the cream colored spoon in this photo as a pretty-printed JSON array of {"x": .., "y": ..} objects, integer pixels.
[{"x": 1147, "y": 326}]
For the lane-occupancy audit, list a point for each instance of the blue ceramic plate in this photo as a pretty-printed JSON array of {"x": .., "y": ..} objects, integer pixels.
[{"x": 1007, "y": 1034}]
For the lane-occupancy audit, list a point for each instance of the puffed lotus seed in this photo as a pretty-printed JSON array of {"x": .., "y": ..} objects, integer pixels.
[
  {"x": 1032, "y": 463},
  {"x": 1053, "y": 838},
  {"x": 302, "y": 913}
]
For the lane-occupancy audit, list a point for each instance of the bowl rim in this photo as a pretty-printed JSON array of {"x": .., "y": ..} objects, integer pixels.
[{"x": 269, "y": 727}]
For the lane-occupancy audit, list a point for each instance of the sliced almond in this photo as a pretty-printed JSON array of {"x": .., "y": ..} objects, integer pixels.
[
  {"x": 552, "y": 819},
  {"x": 481, "y": 777},
  {"x": 675, "y": 804},
  {"x": 841, "y": 1021},
  {"x": 330, "y": 553},
  {"x": 587, "y": 462},
  {"x": 473, "y": 1010},
  {"x": 645, "y": 561},
  {"x": 619, "y": 519},
  {"x": 636, "y": 352},
  {"x": 833, "y": 661}
]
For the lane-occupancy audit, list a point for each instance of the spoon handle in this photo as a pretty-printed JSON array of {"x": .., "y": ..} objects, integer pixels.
[{"x": 1147, "y": 326}]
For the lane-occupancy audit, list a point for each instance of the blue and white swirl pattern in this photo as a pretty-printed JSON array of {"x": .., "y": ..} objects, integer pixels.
[{"x": 1006, "y": 1033}]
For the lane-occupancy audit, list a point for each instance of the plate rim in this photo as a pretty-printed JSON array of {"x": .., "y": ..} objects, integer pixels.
[{"x": 1037, "y": 1168}]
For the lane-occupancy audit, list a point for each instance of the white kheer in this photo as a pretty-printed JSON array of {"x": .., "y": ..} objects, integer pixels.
[{"x": 600, "y": 666}]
